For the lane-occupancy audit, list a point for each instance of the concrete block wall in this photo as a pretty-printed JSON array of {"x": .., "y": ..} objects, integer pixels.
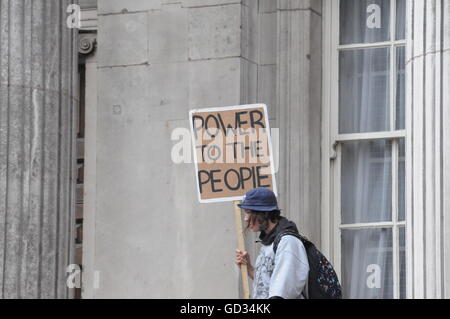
[{"x": 156, "y": 61}]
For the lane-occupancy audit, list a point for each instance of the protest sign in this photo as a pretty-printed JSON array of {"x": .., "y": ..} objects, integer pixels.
[{"x": 232, "y": 151}]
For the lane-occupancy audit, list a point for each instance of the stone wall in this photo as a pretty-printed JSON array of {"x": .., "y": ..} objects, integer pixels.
[{"x": 156, "y": 61}]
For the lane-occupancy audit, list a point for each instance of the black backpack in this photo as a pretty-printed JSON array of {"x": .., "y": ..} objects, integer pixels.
[{"x": 323, "y": 282}]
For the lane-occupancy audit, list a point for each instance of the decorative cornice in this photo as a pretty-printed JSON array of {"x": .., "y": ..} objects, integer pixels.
[{"x": 89, "y": 19}]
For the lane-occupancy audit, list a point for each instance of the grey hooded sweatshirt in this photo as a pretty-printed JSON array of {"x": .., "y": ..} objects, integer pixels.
[{"x": 284, "y": 274}]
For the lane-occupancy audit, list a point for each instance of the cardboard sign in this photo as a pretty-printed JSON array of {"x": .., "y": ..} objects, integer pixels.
[{"x": 232, "y": 151}]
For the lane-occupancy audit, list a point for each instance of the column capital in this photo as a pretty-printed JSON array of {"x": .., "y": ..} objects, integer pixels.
[{"x": 87, "y": 43}]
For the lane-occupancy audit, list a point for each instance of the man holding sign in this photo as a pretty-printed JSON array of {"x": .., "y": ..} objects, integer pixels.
[
  {"x": 233, "y": 155},
  {"x": 281, "y": 274}
]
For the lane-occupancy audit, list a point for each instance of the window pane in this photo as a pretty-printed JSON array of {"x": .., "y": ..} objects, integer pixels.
[
  {"x": 364, "y": 90},
  {"x": 366, "y": 182},
  {"x": 402, "y": 263},
  {"x": 367, "y": 264},
  {"x": 364, "y": 21},
  {"x": 400, "y": 99},
  {"x": 401, "y": 21},
  {"x": 401, "y": 181}
]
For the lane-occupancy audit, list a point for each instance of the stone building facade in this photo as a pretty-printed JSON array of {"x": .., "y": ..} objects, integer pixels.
[{"x": 359, "y": 91}]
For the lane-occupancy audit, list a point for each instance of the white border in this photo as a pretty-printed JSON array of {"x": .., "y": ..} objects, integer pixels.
[{"x": 231, "y": 108}]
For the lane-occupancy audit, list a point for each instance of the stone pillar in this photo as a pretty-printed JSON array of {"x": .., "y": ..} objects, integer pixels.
[
  {"x": 37, "y": 131},
  {"x": 428, "y": 154},
  {"x": 299, "y": 111}
]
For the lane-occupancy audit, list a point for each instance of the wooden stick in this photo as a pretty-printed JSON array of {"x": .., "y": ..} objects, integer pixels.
[{"x": 241, "y": 247}]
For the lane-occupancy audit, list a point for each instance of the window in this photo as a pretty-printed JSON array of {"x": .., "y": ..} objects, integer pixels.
[{"x": 365, "y": 125}]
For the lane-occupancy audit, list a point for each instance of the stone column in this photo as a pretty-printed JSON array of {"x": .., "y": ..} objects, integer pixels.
[
  {"x": 428, "y": 155},
  {"x": 299, "y": 111},
  {"x": 37, "y": 132}
]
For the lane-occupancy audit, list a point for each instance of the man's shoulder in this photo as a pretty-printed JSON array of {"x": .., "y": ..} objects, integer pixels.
[
  {"x": 293, "y": 248},
  {"x": 290, "y": 241}
]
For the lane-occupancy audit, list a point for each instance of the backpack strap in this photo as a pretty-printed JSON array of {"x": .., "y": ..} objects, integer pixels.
[
  {"x": 305, "y": 243},
  {"x": 303, "y": 239}
]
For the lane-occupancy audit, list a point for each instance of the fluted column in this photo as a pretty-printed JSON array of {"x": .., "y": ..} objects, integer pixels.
[
  {"x": 428, "y": 148},
  {"x": 299, "y": 111},
  {"x": 37, "y": 130}
]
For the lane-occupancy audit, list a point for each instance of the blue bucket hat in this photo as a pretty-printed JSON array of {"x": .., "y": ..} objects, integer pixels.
[{"x": 260, "y": 200}]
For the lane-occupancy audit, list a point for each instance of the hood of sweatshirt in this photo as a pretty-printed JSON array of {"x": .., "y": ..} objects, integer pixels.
[{"x": 283, "y": 224}]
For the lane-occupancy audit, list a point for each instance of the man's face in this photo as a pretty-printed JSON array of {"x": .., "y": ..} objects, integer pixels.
[{"x": 251, "y": 220}]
